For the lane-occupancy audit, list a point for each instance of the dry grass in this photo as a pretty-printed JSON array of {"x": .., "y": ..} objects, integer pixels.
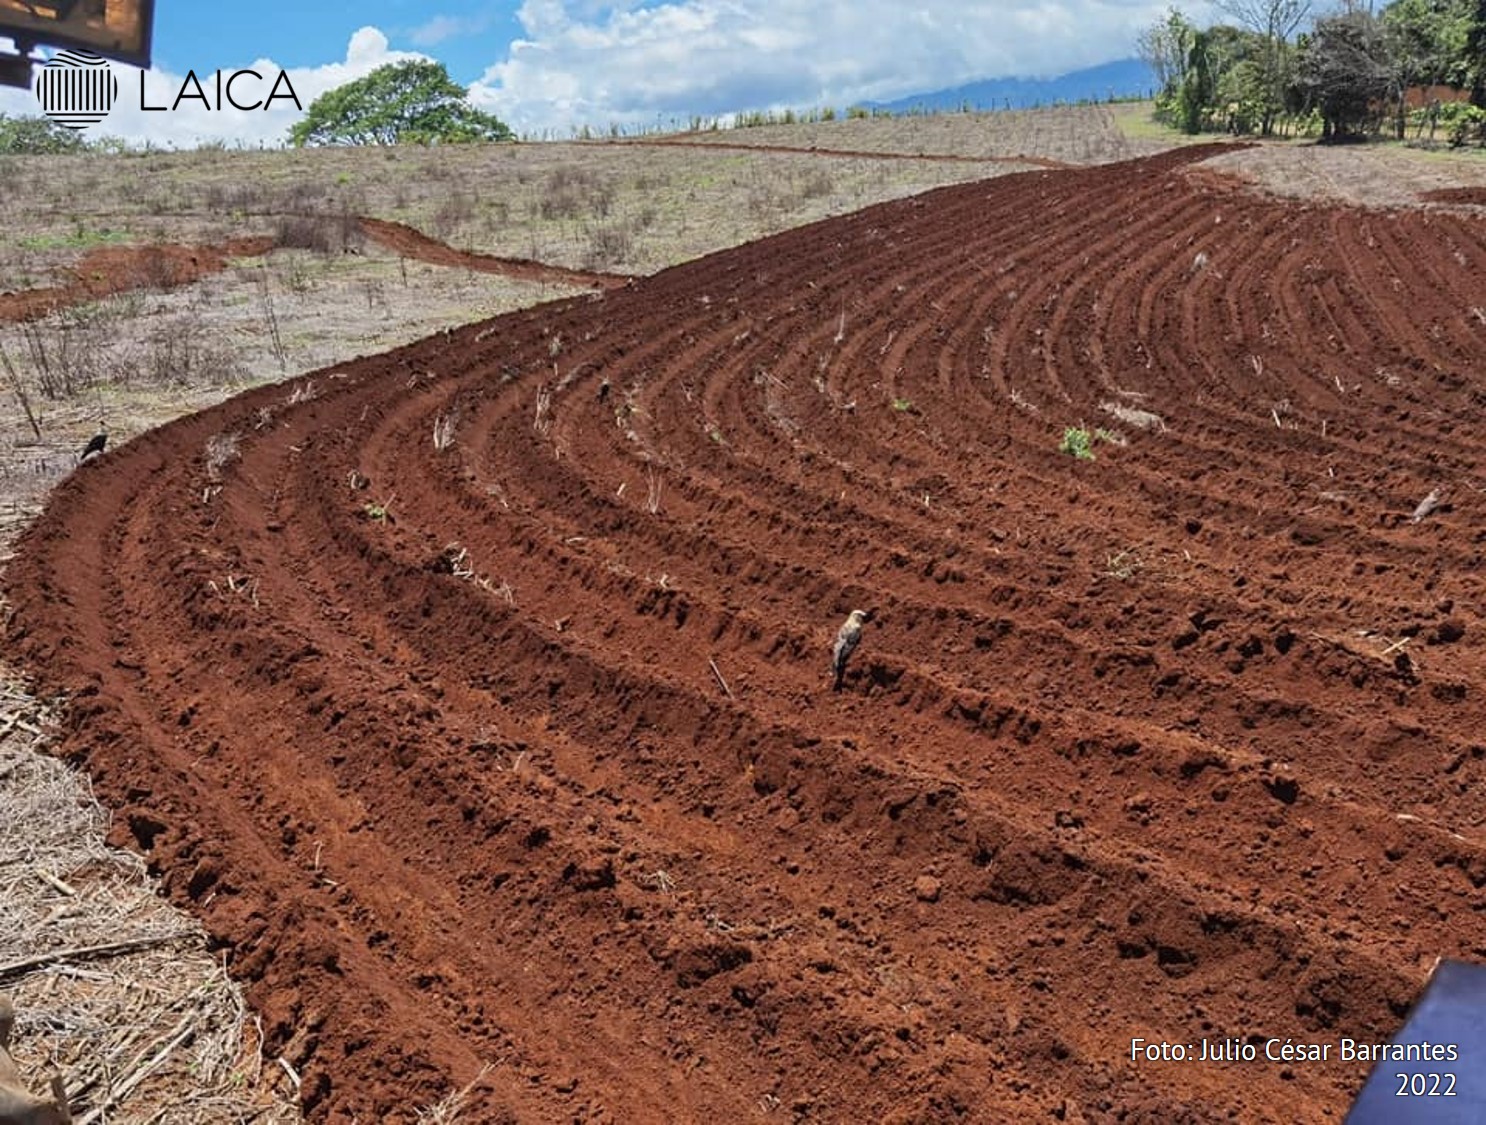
[
  {"x": 1134, "y": 416},
  {"x": 112, "y": 987},
  {"x": 141, "y": 359},
  {"x": 628, "y": 207},
  {"x": 1072, "y": 134},
  {"x": 444, "y": 426},
  {"x": 451, "y": 1109},
  {"x": 221, "y": 450}
]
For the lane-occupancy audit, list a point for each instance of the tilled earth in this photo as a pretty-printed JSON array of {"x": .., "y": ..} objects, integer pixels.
[{"x": 522, "y": 751}]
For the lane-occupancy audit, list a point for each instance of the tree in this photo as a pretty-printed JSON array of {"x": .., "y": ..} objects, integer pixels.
[
  {"x": 1178, "y": 52},
  {"x": 1345, "y": 68},
  {"x": 1236, "y": 58},
  {"x": 1430, "y": 37},
  {"x": 1274, "y": 21},
  {"x": 1163, "y": 47},
  {"x": 36, "y": 135},
  {"x": 1475, "y": 54},
  {"x": 1195, "y": 92},
  {"x": 407, "y": 102}
]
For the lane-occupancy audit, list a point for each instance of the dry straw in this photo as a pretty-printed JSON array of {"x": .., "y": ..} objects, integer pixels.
[{"x": 112, "y": 986}]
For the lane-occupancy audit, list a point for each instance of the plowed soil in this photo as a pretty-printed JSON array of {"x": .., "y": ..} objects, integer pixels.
[
  {"x": 1182, "y": 743},
  {"x": 1475, "y": 196},
  {"x": 404, "y": 240},
  {"x": 118, "y": 269}
]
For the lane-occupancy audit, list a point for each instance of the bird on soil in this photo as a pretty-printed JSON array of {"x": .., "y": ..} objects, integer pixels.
[
  {"x": 96, "y": 444},
  {"x": 847, "y": 639}
]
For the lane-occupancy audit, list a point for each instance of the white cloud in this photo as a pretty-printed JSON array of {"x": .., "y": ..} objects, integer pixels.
[
  {"x": 598, "y": 62},
  {"x": 440, "y": 29},
  {"x": 587, "y": 62},
  {"x": 189, "y": 122}
]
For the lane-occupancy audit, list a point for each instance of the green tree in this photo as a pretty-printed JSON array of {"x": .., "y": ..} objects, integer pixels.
[
  {"x": 1475, "y": 54},
  {"x": 1241, "y": 83},
  {"x": 1179, "y": 54},
  {"x": 1208, "y": 78},
  {"x": 1274, "y": 22},
  {"x": 1163, "y": 47},
  {"x": 1195, "y": 93},
  {"x": 32, "y": 135},
  {"x": 1430, "y": 37},
  {"x": 408, "y": 102}
]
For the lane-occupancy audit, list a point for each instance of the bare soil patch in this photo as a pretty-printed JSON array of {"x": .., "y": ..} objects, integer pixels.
[
  {"x": 409, "y": 243},
  {"x": 511, "y": 760},
  {"x": 1375, "y": 175},
  {"x": 118, "y": 269}
]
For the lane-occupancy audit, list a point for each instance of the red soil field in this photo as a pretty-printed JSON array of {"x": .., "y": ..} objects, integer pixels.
[{"x": 1182, "y": 743}]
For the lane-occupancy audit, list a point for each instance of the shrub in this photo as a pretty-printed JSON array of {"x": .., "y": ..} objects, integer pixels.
[
  {"x": 1077, "y": 442},
  {"x": 1463, "y": 122}
]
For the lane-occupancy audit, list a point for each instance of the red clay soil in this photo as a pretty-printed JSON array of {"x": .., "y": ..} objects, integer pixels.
[
  {"x": 1182, "y": 743},
  {"x": 404, "y": 240},
  {"x": 118, "y": 269},
  {"x": 1475, "y": 196}
]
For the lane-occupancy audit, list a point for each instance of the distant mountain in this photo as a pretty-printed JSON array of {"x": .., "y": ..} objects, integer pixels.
[{"x": 1121, "y": 79}]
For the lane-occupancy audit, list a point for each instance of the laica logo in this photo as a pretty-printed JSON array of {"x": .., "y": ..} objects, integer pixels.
[
  {"x": 76, "y": 89},
  {"x": 244, "y": 97}
]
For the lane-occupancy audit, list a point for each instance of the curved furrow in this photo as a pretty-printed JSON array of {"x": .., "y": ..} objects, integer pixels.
[
  {"x": 770, "y": 690},
  {"x": 518, "y": 746},
  {"x": 769, "y": 782},
  {"x": 831, "y": 350},
  {"x": 780, "y": 691},
  {"x": 711, "y": 566},
  {"x": 1068, "y": 242},
  {"x": 546, "y": 673},
  {"x": 708, "y": 559}
]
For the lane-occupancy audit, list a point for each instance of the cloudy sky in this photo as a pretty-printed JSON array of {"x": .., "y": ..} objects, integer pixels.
[{"x": 548, "y": 66}]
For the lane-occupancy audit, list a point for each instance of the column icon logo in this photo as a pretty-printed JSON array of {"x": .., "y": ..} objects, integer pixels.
[{"x": 76, "y": 89}]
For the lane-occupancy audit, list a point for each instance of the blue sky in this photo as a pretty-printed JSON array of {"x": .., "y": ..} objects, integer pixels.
[
  {"x": 548, "y": 67},
  {"x": 465, "y": 37}
]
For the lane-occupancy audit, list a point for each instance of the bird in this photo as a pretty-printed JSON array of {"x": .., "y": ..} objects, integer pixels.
[
  {"x": 847, "y": 639},
  {"x": 1428, "y": 506},
  {"x": 95, "y": 444}
]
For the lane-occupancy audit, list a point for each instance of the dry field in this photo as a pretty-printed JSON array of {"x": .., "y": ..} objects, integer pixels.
[{"x": 473, "y": 696}]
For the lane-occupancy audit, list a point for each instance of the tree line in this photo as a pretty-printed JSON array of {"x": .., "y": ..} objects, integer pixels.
[{"x": 1276, "y": 70}]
